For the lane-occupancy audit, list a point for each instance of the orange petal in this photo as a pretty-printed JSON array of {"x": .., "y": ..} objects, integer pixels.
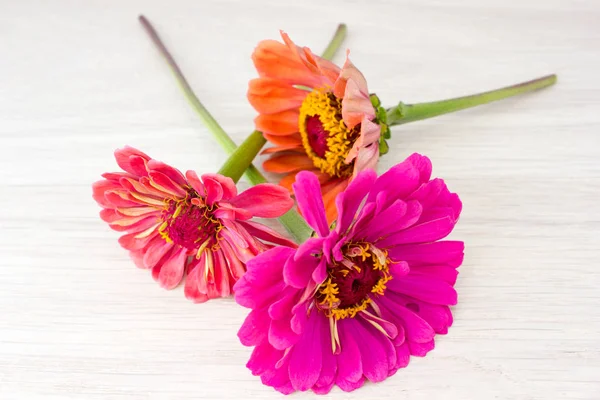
[
  {"x": 290, "y": 178},
  {"x": 282, "y": 123},
  {"x": 284, "y": 140},
  {"x": 288, "y": 163},
  {"x": 273, "y": 59},
  {"x": 330, "y": 192},
  {"x": 318, "y": 66},
  {"x": 270, "y": 96},
  {"x": 278, "y": 149}
]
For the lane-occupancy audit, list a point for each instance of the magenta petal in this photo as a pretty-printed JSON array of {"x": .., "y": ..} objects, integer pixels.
[
  {"x": 443, "y": 272},
  {"x": 421, "y": 349},
  {"x": 328, "y": 371},
  {"x": 263, "y": 358},
  {"x": 297, "y": 271},
  {"x": 306, "y": 357},
  {"x": 265, "y": 200},
  {"x": 402, "y": 355},
  {"x": 349, "y": 360},
  {"x": 425, "y": 232},
  {"x": 281, "y": 335},
  {"x": 348, "y": 386},
  {"x": 450, "y": 252},
  {"x": 399, "y": 181},
  {"x": 349, "y": 200},
  {"x": 263, "y": 277},
  {"x": 310, "y": 201},
  {"x": 423, "y": 165},
  {"x": 254, "y": 329},
  {"x": 282, "y": 308},
  {"x": 423, "y": 287},
  {"x": 374, "y": 351}
]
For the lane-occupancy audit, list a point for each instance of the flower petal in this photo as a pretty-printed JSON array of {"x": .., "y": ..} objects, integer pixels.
[
  {"x": 266, "y": 200},
  {"x": 306, "y": 357},
  {"x": 310, "y": 202},
  {"x": 272, "y": 96}
]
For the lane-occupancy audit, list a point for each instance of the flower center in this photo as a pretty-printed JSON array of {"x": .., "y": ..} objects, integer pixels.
[
  {"x": 325, "y": 137},
  {"x": 189, "y": 223},
  {"x": 351, "y": 284}
]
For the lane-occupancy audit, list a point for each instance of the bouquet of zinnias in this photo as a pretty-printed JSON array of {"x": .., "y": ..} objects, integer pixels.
[{"x": 365, "y": 279}]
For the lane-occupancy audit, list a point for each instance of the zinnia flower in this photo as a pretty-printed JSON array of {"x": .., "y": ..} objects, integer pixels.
[
  {"x": 176, "y": 224},
  {"x": 354, "y": 302},
  {"x": 318, "y": 116}
]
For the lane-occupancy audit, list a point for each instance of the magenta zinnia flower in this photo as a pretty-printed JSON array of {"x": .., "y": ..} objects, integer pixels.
[
  {"x": 354, "y": 302},
  {"x": 178, "y": 224}
]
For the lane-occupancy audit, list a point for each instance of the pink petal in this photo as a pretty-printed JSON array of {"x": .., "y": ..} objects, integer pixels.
[
  {"x": 226, "y": 183},
  {"x": 195, "y": 182},
  {"x": 166, "y": 184},
  {"x": 171, "y": 270},
  {"x": 265, "y": 200},
  {"x": 192, "y": 283},
  {"x": 155, "y": 251},
  {"x": 356, "y": 105},
  {"x": 310, "y": 201},
  {"x": 174, "y": 174},
  {"x": 123, "y": 159},
  {"x": 265, "y": 233}
]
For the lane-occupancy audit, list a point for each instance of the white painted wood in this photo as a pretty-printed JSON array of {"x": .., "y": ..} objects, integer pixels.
[{"x": 79, "y": 79}]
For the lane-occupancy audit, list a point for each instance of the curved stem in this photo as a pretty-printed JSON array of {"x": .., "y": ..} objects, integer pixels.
[
  {"x": 336, "y": 42},
  {"x": 240, "y": 157},
  {"x": 405, "y": 113}
]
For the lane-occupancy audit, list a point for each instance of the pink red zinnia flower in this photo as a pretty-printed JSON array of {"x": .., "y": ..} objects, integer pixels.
[
  {"x": 355, "y": 302},
  {"x": 318, "y": 116},
  {"x": 179, "y": 224}
]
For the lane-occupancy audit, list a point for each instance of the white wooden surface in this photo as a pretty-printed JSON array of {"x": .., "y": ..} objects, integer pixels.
[{"x": 79, "y": 79}]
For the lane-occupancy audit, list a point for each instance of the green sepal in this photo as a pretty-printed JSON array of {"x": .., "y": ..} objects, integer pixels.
[{"x": 381, "y": 120}]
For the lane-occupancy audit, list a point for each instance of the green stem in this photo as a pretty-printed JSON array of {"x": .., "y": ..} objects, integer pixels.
[
  {"x": 240, "y": 157},
  {"x": 336, "y": 42},
  {"x": 405, "y": 113}
]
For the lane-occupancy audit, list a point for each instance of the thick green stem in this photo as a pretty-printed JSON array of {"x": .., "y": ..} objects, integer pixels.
[
  {"x": 240, "y": 157},
  {"x": 404, "y": 113}
]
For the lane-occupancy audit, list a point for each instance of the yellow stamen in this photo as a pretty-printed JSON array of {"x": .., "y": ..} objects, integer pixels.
[{"x": 340, "y": 140}]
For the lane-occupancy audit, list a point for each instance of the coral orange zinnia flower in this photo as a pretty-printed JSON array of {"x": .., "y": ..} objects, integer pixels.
[
  {"x": 179, "y": 224},
  {"x": 318, "y": 116}
]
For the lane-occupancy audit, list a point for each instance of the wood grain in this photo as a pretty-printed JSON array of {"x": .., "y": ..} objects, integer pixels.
[{"x": 79, "y": 79}]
